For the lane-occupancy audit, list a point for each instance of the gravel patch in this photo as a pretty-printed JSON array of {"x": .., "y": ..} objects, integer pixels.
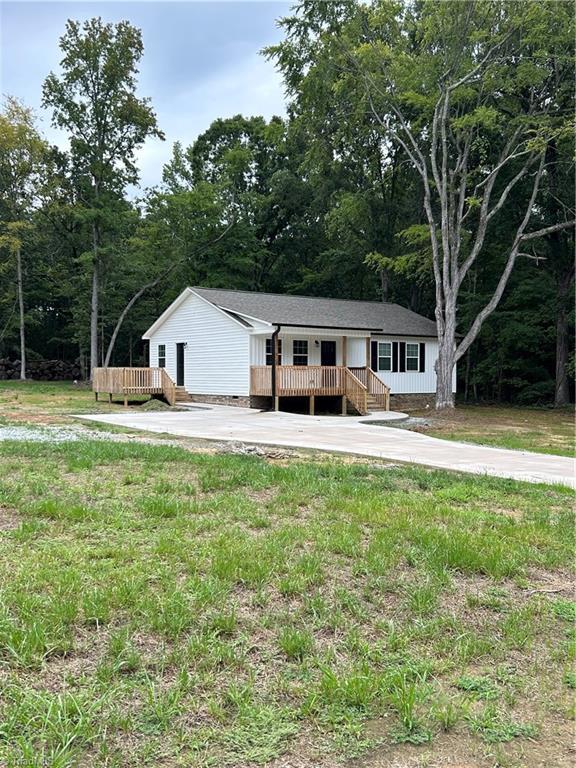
[
  {"x": 412, "y": 422},
  {"x": 48, "y": 434}
]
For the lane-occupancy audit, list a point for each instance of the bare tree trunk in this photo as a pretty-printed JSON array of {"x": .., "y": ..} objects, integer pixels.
[
  {"x": 21, "y": 310},
  {"x": 562, "y": 388},
  {"x": 467, "y": 377},
  {"x": 122, "y": 317},
  {"x": 144, "y": 288},
  {"x": 384, "y": 284},
  {"x": 444, "y": 367},
  {"x": 562, "y": 385},
  {"x": 94, "y": 304},
  {"x": 82, "y": 360},
  {"x": 445, "y": 364}
]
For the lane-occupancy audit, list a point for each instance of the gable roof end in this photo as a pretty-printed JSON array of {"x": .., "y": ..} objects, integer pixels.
[{"x": 167, "y": 312}]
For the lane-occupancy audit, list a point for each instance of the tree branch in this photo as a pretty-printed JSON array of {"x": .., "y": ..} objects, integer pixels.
[
  {"x": 140, "y": 292},
  {"x": 548, "y": 230},
  {"x": 474, "y": 330}
]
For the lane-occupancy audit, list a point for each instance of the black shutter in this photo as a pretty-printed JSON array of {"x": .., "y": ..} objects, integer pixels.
[
  {"x": 402, "y": 355},
  {"x": 374, "y": 355},
  {"x": 394, "y": 357},
  {"x": 422, "y": 357}
]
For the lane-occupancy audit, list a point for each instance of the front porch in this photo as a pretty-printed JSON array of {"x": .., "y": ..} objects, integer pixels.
[{"x": 358, "y": 387}]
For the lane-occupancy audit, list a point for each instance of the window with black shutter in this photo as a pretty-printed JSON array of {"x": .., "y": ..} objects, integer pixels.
[{"x": 384, "y": 356}]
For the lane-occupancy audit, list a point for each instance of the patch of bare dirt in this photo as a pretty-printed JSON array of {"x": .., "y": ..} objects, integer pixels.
[
  {"x": 9, "y": 519},
  {"x": 554, "y": 748},
  {"x": 34, "y": 418},
  {"x": 561, "y": 582}
]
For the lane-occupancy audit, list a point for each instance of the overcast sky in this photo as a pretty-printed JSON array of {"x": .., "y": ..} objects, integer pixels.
[{"x": 201, "y": 61}]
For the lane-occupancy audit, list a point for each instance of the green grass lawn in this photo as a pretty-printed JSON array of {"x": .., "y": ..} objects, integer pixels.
[
  {"x": 163, "y": 607},
  {"x": 525, "y": 429},
  {"x": 52, "y": 402}
]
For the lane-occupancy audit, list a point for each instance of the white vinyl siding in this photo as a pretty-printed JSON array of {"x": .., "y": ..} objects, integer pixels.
[
  {"x": 216, "y": 356},
  {"x": 414, "y": 382},
  {"x": 356, "y": 352},
  {"x": 355, "y": 346}
]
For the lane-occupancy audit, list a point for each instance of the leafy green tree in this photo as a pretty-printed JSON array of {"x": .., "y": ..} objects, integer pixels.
[
  {"x": 95, "y": 100},
  {"x": 246, "y": 164},
  {"x": 23, "y": 154},
  {"x": 469, "y": 90}
]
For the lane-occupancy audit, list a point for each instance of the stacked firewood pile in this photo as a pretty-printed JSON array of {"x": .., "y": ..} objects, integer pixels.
[{"x": 42, "y": 370}]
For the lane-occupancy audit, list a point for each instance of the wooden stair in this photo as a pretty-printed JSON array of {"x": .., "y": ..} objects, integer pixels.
[
  {"x": 374, "y": 404},
  {"x": 182, "y": 396}
]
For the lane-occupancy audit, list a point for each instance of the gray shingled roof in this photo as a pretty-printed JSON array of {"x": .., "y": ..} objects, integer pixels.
[{"x": 305, "y": 311}]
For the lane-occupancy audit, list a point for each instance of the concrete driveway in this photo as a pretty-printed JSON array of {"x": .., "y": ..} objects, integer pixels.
[{"x": 347, "y": 435}]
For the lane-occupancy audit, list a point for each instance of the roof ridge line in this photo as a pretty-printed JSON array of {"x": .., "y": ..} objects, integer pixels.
[{"x": 297, "y": 296}]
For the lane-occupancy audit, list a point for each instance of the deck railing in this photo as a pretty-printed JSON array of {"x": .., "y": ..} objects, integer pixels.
[
  {"x": 374, "y": 385},
  {"x": 308, "y": 381},
  {"x": 133, "y": 381}
]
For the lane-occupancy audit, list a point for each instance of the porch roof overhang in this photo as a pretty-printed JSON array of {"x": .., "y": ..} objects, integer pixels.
[{"x": 311, "y": 330}]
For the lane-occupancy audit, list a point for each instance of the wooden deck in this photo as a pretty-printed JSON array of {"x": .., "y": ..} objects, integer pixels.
[
  {"x": 133, "y": 381},
  {"x": 360, "y": 386}
]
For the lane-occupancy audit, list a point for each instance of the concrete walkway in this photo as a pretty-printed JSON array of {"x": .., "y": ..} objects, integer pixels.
[{"x": 347, "y": 435}]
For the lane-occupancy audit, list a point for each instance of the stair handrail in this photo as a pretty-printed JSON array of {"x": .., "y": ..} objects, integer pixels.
[
  {"x": 355, "y": 391},
  {"x": 377, "y": 388},
  {"x": 168, "y": 387}
]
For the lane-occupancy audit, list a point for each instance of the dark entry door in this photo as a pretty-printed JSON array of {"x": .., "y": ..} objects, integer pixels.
[
  {"x": 180, "y": 365},
  {"x": 327, "y": 353}
]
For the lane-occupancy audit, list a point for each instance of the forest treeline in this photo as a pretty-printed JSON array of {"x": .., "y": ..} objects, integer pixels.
[{"x": 342, "y": 198}]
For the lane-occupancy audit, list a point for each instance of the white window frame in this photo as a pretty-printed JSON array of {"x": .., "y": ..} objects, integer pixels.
[
  {"x": 162, "y": 356},
  {"x": 382, "y": 356},
  {"x": 303, "y": 355},
  {"x": 415, "y": 357}
]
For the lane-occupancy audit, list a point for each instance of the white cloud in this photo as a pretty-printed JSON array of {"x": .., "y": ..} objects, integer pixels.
[
  {"x": 248, "y": 87},
  {"x": 200, "y": 63}
]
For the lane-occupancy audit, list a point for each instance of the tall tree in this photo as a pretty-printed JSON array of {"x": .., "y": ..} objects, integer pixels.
[
  {"x": 95, "y": 100},
  {"x": 22, "y": 156},
  {"x": 246, "y": 164},
  {"x": 469, "y": 90},
  {"x": 559, "y": 253}
]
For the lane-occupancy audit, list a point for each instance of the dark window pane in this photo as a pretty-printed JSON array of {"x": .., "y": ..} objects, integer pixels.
[{"x": 269, "y": 352}]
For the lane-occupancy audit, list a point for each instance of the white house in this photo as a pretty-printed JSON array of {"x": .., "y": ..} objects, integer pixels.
[{"x": 217, "y": 345}]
